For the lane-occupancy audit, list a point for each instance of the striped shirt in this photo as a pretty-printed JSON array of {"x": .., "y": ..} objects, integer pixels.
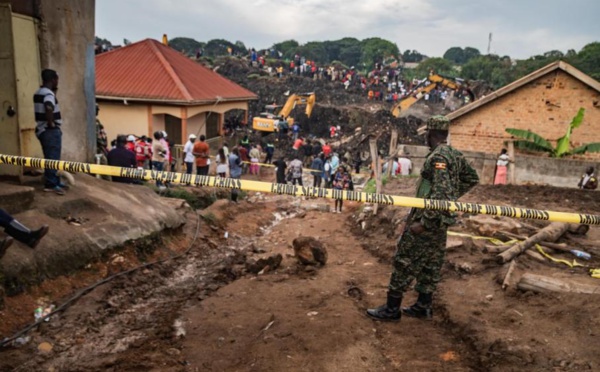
[{"x": 43, "y": 98}]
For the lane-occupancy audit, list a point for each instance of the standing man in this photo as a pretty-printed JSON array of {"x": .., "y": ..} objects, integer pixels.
[
  {"x": 405, "y": 164},
  {"x": 280, "y": 170},
  {"x": 270, "y": 150},
  {"x": 188, "y": 149},
  {"x": 588, "y": 181},
  {"x": 120, "y": 156},
  {"x": 446, "y": 175},
  {"x": 101, "y": 138},
  {"x": 201, "y": 152},
  {"x": 48, "y": 124},
  {"x": 296, "y": 171}
]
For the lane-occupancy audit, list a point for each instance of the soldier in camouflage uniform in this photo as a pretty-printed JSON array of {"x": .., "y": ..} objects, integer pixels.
[{"x": 446, "y": 175}]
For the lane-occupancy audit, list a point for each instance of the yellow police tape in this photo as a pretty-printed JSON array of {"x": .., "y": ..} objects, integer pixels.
[
  {"x": 295, "y": 190},
  {"x": 513, "y": 241}
]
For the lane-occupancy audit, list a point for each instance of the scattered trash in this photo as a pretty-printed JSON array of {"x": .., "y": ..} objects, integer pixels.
[
  {"x": 21, "y": 341},
  {"x": 226, "y": 234},
  {"x": 312, "y": 313},
  {"x": 37, "y": 313}
]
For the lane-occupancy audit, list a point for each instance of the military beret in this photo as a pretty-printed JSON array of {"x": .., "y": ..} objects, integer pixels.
[{"x": 438, "y": 122}]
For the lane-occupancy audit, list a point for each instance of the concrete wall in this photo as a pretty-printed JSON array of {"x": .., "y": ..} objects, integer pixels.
[
  {"x": 545, "y": 106},
  {"x": 67, "y": 46},
  {"x": 528, "y": 169},
  {"x": 120, "y": 119},
  {"x": 197, "y": 125}
]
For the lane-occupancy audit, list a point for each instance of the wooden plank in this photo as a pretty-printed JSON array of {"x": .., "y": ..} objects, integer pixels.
[{"x": 540, "y": 283}]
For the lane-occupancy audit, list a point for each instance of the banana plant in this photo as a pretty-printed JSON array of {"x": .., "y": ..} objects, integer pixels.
[{"x": 531, "y": 141}]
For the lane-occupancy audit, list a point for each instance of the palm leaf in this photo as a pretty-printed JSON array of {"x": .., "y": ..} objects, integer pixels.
[
  {"x": 563, "y": 144},
  {"x": 529, "y": 136},
  {"x": 578, "y": 119},
  {"x": 532, "y": 146},
  {"x": 589, "y": 147}
]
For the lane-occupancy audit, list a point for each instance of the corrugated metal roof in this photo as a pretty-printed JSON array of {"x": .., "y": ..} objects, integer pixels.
[{"x": 150, "y": 70}]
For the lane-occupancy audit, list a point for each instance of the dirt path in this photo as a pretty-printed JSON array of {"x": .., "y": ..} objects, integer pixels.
[{"x": 312, "y": 321}]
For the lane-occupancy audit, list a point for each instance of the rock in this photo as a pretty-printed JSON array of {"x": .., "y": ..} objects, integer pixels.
[
  {"x": 453, "y": 243},
  {"x": 258, "y": 266},
  {"x": 45, "y": 347},
  {"x": 309, "y": 251}
]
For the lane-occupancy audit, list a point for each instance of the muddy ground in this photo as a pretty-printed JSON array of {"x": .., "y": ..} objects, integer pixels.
[{"x": 207, "y": 311}]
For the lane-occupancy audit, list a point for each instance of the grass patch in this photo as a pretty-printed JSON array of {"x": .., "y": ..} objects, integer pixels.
[
  {"x": 371, "y": 187},
  {"x": 210, "y": 218}
]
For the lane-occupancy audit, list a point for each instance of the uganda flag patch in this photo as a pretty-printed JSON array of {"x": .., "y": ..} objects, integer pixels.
[{"x": 440, "y": 165}]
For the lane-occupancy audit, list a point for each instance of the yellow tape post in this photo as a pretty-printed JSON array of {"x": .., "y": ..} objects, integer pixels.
[{"x": 295, "y": 190}]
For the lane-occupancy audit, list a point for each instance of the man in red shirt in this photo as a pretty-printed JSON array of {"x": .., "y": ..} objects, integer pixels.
[
  {"x": 130, "y": 145},
  {"x": 326, "y": 149},
  {"x": 142, "y": 153},
  {"x": 298, "y": 143},
  {"x": 201, "y": 151}
]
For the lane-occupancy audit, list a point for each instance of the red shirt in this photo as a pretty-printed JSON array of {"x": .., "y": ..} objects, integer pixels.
[
  {"x": 297, "y": 144},
  {"x": 130, "y": 146},
  {"x": 142, "y": 151},
  {"x": 243, "y": 153},
  {"x": 326, "y": 150},
  {"x": 201, "y": 148}
]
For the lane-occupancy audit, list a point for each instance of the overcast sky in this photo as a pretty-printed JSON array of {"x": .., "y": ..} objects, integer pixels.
[{"x": 521, "y": 28}]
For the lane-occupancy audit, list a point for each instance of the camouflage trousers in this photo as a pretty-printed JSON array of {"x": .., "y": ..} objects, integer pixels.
[{"x": 419, "y": 257}]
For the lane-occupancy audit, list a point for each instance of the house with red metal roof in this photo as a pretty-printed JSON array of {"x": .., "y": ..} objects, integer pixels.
[{"x": 147, "y": 86}]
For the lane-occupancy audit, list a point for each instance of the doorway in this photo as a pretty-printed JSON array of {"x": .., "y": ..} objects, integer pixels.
[{"x": 173, "y": 129}]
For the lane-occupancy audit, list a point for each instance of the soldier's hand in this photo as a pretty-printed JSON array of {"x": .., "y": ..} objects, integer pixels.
[{"x": 417, "y": 228}]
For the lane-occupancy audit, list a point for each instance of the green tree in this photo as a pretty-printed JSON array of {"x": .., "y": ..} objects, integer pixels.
[
  {"x": 439, "y": 66},
  {"x": 240, "y": 47},
  {"x": 376, "y": 49},
  {"x": 455, "y": 55},
  {"x": 314, "y": 51},
  {"x": 470, "y": 53},
  {"x": 287, "y": 47},
  {"x": 411, "y": 56},
  {"x": 534, "y": 142},
  {"x": 494, "y": 69},
  {"x": 588, "y": 60},
  {"x": 186, "y": 44}
]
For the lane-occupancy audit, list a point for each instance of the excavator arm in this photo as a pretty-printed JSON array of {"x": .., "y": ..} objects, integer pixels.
[
  {"x": 435, "y": 80},
  {"x": 307, "y": 99},
  {"x": 267, "y": 124}
]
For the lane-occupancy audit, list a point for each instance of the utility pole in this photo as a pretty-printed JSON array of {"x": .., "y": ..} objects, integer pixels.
[{"x": 489, "y": 43}]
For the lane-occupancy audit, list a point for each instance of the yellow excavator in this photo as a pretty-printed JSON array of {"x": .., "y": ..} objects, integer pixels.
[
  {"x": 435, "y": 81},
  {"x": 266, "y": 121}
]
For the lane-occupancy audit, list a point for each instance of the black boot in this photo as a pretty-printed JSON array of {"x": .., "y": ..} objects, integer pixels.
[
  {"x": 390, "y": 312},
  {"x": 421, "y": 308},
  {"x": 24, "y": 235},
  {"x": 4, "y": 244}
]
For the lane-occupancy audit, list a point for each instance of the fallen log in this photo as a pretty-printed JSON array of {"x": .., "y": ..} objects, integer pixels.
[
  {"x": 549, "y": 233},
  {"x": 509, "y": 273},
  {"x": 490, "y": 248},
  {"x": 535, "y": 255},
  {"x": 579, "y": 229},
  {"x": 539, "y": 283}
]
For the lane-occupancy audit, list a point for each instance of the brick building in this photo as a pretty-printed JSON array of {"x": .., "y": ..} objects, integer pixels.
[{"x": 544, "y": 102}]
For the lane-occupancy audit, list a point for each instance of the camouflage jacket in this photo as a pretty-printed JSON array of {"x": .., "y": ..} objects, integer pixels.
[{"x": 446, "y": 175}]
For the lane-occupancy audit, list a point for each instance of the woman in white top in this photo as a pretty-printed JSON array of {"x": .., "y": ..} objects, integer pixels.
[
  {"x": 222, "y": 163},
  {"x": 501, "y": 172}
]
